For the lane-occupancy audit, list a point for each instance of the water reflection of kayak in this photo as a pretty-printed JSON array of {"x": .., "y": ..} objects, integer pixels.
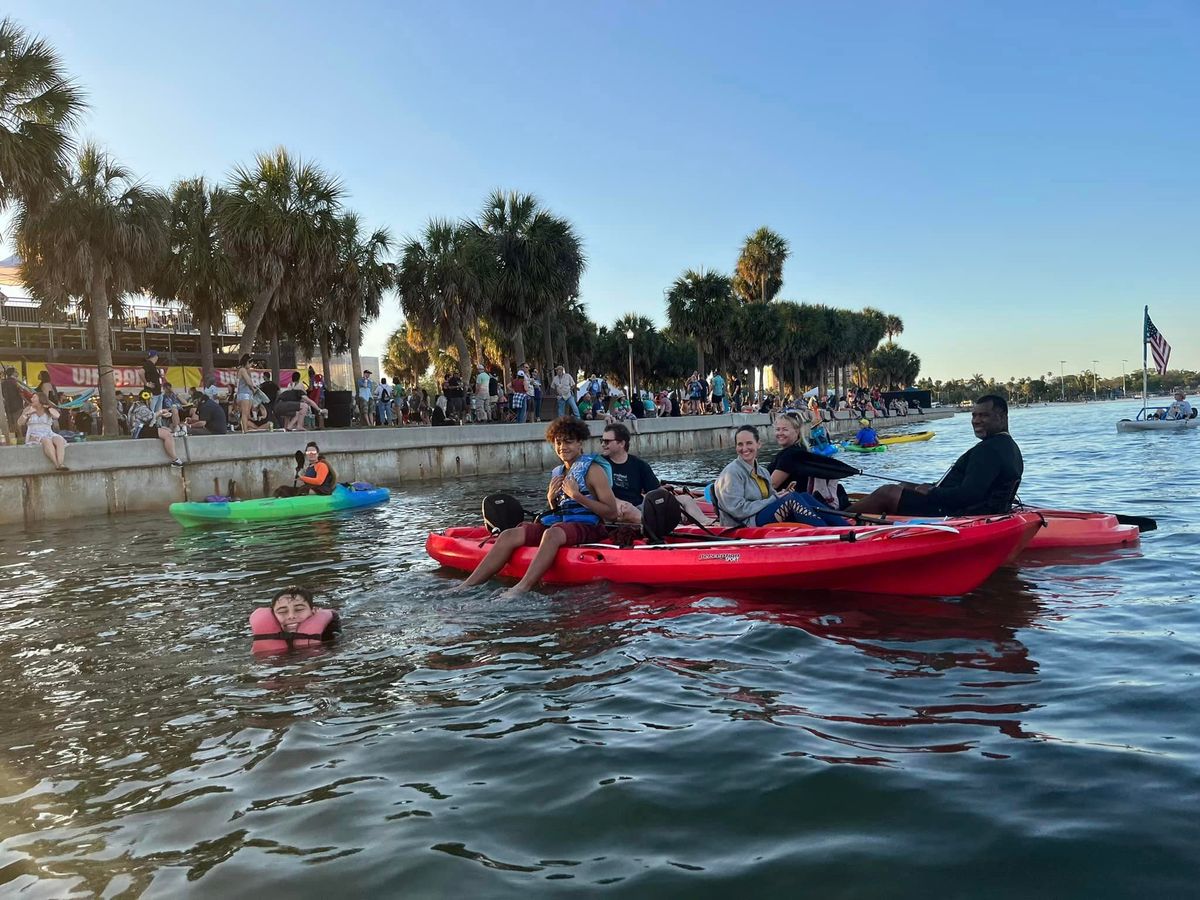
[
  {"x": 275, "y": 508},
  {"x": 948, "y": 559}
]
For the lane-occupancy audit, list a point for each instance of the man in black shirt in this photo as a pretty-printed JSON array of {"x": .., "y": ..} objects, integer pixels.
[
  {"x": 984, "y": 480},
  {"x": 13, "y": 401},
  {"x": 153, "y": 379},
  {"x": 208, "y": 418},
  {"x": 632, "y": 478}
]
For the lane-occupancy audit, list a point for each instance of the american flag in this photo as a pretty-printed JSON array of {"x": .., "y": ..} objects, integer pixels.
[{"x": 1158, "y": 345}]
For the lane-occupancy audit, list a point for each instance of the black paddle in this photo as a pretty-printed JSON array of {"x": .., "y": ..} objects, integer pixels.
[
  {"x": 299, "y": 457},
  {"x": 1143, "y": 523}
]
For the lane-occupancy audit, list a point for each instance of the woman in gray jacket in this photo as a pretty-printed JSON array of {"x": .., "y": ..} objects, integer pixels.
[{"x": 744, "y": 495}]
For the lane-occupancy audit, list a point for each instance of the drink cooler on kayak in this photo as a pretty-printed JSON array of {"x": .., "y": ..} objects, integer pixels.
[
  {"x": 903, "y": 560},
  {"x": 273, "y": 508}
]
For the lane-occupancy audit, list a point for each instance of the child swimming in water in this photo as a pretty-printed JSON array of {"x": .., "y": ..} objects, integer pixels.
[{"x": 292, "y": 620}]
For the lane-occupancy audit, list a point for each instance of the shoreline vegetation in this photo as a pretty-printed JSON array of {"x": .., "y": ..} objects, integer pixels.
[{"x": 276, "y": 244}]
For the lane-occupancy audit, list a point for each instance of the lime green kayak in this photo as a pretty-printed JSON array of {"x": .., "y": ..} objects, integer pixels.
[
  {"x": 854, "y": 448},
  {"x": 274, "y": 508}
]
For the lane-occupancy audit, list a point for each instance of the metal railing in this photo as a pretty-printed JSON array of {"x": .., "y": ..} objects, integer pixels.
[{"x": 137, "y": 318}]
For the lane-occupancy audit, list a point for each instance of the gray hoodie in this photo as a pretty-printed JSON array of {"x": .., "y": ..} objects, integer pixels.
[{"x": 739, "y": 496}]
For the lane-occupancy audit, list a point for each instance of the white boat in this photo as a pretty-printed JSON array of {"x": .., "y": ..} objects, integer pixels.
[{"x": 1157, "y": 424}]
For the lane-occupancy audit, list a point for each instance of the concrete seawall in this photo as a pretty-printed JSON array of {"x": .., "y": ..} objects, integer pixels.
[{"x": 113, "y": 477}]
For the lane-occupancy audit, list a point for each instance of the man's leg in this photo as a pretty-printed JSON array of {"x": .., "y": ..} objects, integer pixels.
[
  {"x": 168, "y": 443},
  {"x": 509, "y": 541},
  {"x": 884, "y": 499},
  {"x": 553, "y": 540},
  {"x": 574, "y": 407}
]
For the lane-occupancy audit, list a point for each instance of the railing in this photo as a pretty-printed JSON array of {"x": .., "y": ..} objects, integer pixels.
[{"x": 137, "y": 318}]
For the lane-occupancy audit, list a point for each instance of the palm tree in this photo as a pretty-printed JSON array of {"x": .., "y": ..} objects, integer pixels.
[
  {"x": 362, "y": 277},
  {"x": 278, "y": 224},
  {"x": 39, "y": 106},
  {"x": 892, "y": 326},
  {"x": 894, "y": 366},
  {"x": 198, "y": 272},
  {"x": 700, "y": 306},
  {"x": 538, "y": 261},
  {"x": 99, "y": 236},
  {"x": 403, "y": 360},
  {"x": 759, "y": 273},
  {"x": 441, "y": 283}
]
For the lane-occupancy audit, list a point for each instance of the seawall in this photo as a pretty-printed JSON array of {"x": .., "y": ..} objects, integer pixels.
[{"x": 114, "y": 477}]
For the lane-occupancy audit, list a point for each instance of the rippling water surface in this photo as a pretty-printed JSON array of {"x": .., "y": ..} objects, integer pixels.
[{"x": 1037, "y": 737}]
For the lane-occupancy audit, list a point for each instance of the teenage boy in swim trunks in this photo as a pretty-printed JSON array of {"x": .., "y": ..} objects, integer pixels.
[{"x": 585, "y": 504}]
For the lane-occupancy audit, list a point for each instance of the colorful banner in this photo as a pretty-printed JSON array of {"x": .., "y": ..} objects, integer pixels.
[{"x": 68, "y": 378}]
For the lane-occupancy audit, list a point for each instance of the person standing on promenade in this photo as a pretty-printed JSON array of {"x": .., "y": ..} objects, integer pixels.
[
  {"x": 153, "y": 379},
  {"x": 364, "y": 390},
  {"x": 580, "y": 497},
  {"x": 533, "y": 387},
  {"x": 984, "y": 479},
  {"x": 483, "y": 400},
  {"x": 718, "y": 393},
  {"x": 13, "y": 402},
  {"x": 564, "y": 392}
]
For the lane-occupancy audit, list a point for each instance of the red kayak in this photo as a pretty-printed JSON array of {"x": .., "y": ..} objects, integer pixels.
[
  {"x": 944, "y": 559},
  {"x": 1064, "y": 528}
]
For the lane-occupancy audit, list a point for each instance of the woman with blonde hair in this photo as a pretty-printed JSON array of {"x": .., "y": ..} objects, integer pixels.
[{"x": 38, "y": 421}]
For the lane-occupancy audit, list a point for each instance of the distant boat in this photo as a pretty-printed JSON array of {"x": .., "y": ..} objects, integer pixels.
[{"x": 1152, "y": 340}]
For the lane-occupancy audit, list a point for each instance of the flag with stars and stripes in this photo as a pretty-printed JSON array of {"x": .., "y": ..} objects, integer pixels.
[{"x": 1159, "y": 347}]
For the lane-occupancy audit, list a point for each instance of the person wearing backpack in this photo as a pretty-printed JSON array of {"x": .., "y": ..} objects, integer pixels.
[{"x": 383, "y": 403}]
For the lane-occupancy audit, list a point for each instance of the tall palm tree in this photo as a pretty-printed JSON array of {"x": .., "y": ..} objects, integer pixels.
[
  {"x": 197, "y": 271},
  {"x": 99, "y": 236},
  {"x": 39, "y": 107},
  {"x": 538, "y": 261},
  {"x": 278, "y": 223},
  {"x": 700, "y": 306},
  {"x": 362, "y": 277},
  {"x": 441, "y": 283},
  {"x": 758, "y": 276}
]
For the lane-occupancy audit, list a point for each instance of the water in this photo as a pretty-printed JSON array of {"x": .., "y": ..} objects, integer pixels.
[{"x": 1038, "y": 737}]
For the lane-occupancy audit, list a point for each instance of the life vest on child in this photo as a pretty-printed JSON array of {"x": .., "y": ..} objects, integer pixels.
[
  {"x": 269, "y": 636},
  {"x": 568, "y": 510}
]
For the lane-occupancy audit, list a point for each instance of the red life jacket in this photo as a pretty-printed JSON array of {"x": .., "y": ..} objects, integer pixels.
[{"x": 269, "y": 636}]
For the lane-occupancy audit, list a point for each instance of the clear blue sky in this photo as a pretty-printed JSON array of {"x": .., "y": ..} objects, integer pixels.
[{"x": 1015, "y": 180}]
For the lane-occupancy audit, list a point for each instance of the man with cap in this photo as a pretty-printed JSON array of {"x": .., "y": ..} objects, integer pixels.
[
  {"x": 365, "y": 395},
  {"x": 1180, "y": 409},
  {"x": 153, "y": 380},
  {"x": 866, "y": 436},
  {"x": 483, "y": 405}
]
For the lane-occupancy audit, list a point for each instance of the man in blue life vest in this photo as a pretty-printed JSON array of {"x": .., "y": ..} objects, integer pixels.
[
  {"x": 866, "y": 436},
  {"x": 580, "y": 498}
]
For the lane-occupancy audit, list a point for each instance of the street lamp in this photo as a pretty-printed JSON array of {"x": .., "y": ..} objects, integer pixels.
[
  {"x": 1095, "y": 393},
  {"x": 1062, "y": 379},
  {"x": 1124, "y": 386},
  {"x": 629, "y": 337}
]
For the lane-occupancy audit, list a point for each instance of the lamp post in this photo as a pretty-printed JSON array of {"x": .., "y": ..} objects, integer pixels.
[
  {"x": 1095, "y": 393},
  {"x": 1124, "y": 386},
  {"x": 1062, "y": 379},
  {"x": 629, "y": 337}
]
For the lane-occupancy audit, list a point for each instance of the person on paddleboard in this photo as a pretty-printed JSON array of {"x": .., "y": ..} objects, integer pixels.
[
  {"x": 984, "y": 480},
  {"x": 580, "y": 497}
]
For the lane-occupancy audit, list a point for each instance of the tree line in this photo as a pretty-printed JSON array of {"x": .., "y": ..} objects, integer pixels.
[{"x": 275, "y": 243}]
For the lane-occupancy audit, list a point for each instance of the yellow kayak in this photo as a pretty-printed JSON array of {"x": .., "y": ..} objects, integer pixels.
[{"x": 906, "y": 438}]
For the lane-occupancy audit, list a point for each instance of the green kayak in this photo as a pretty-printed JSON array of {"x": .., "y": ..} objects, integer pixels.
[
  {"x": 274, "y": 508},
  {"x": 854, "y": 448}
]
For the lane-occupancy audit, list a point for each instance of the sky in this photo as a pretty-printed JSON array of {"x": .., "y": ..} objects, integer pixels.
[{"x": 1014, "y": 180}]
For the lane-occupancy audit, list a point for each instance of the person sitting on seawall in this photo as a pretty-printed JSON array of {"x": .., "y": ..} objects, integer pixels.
[
  {"x": 866, "y": 436},
  {"x": 633, "y": 479},
  {"x": 290, "y": 405},
  {"x": 984, "y": 480},
  {"x": 315, "y": 475},
  {"x": 292, "y": 621},
  {"x": 208, "y": 416},
  {"x": 144, "y": 422},
  {"x": 744, "y": 495},
  {"x": 795, "y": 464},
  {"x": 38, "y": 421},
  {"x": 580, "y": 498}
]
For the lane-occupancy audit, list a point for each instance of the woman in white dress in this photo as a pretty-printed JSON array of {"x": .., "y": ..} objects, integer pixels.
[{"x": 38, "y": 421}]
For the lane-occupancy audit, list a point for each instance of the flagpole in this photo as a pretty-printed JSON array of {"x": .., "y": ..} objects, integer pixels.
[{"x": 1145, "y": 344}]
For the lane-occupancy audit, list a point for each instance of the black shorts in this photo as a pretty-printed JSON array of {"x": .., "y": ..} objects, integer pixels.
[
  {"x": 149, "y": 430},
  {"x": 914, "y": 504}
]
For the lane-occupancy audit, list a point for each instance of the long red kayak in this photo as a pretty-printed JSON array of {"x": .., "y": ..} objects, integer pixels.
[{"x": 940, "y": 560}]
